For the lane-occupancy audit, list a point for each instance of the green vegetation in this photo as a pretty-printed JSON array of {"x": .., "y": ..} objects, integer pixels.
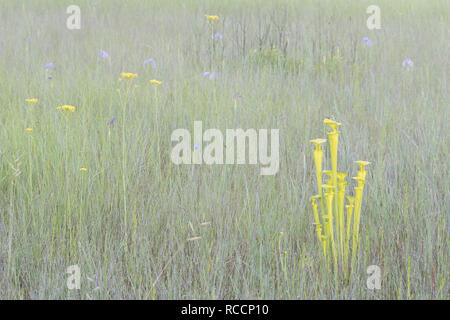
[{"x": 250, "y": 236}]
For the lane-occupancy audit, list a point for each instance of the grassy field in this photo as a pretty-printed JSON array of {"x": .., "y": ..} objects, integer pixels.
[{"x": 286, "y": 65}]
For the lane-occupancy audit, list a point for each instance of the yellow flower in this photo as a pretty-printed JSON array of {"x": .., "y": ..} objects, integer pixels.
[
  {"x": 129, "y": 75},
  {"x": 362, "y": 164},
  {"x": 28, "y": 129},
  {"x": 351, "y": 200},
  {"x": 34, "y": 100},
  {"x": 66, "y": 108},
  {"x": 341, "y": 176},
  {"x": 211, "y": 19},
  {"x": 83, "y": 169},
  {"x": 153, "y": 81},
  {"x": 318, "y": 142},
  {"x": 333, "y": 124},
  {"x": 314, "y": 198}
]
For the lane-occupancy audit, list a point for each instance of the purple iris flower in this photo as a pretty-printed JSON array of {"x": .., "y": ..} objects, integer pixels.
[
  {"x": 366, "y": 41},
  {"x": 112, "y": 120},
  {"x": 237, "y": 96},
  {"x": 217, "y": 36},
  {"x": 151, "y": 61},
  {"x": 49, "y": 65},
  {"x": 210, "y": 74},
  {"x": 103, "y": 54},
  {"x": 196, "y": 146},
  {"x": 408, "y": 62}
]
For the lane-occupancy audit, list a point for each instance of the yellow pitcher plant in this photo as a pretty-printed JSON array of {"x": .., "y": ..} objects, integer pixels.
[{"x": 337, "y": 223}]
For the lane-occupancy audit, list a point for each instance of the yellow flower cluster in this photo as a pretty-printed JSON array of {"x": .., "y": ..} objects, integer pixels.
[
  {"x": 153, "y": 81},
  {"x": 333, "y": 230},
  {"x": 34, "y": 100},
  {"x": 211, "y": 19},
  {"x": 66, "y": 108},
  {"x": 28, "y": 129},
  {"x": 83, "y": 169},
  {"x": 128, "y": 75}
]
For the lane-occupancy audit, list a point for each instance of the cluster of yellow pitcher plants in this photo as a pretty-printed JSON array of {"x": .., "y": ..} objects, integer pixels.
[{"x": 333, "y": 219}]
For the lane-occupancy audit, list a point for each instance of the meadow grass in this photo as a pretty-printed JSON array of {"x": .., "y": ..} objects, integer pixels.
[{"x": 293, "y": 64}]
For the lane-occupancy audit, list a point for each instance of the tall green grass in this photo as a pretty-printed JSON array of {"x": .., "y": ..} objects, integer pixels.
[{"x": 257, "y": 237}]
